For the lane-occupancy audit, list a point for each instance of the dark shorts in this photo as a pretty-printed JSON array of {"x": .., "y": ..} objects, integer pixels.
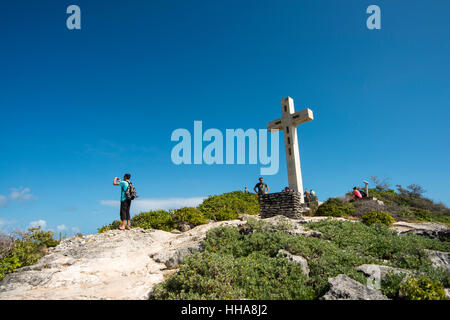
[{"x": 125, "y": 210}]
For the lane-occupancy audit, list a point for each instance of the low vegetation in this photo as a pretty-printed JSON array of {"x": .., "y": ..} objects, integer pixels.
[
  {"x": 422, "y": 288},
  {"x": 419, "y": 287},
  {"x": 230, "y": 205},
  {"x": 372, "y": 217},
  {"x": 335, "y": 207},
  {"x": 406, "y": 204},
  {"x": 242, "y": 265},
  {"x": 157, "y": 219},
  {"x": 24, "y": 249}
]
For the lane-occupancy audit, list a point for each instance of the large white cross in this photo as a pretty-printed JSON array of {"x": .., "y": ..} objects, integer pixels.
[{"x": 289, "y": 122}]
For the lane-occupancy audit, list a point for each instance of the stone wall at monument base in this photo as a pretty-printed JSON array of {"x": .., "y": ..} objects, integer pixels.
[{"x": 283, "y": 203}]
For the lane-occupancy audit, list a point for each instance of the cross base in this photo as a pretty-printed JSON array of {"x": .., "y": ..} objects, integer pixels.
[{"x": 288, "y": 204}]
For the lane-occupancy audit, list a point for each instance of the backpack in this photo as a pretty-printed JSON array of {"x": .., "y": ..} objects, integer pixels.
[{"x": 131, "y": 192}]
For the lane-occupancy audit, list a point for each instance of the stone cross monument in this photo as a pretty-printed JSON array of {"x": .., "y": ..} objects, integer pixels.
[{"x": 289, "y": 122}]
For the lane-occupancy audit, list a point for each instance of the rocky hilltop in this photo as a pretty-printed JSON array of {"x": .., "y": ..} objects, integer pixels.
[{"x": 127, "y": 264}]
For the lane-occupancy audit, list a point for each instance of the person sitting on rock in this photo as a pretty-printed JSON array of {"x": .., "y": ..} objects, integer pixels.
[{"x": 356, "y": 194}]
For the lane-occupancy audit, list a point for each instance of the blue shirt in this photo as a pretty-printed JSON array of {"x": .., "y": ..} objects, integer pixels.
[{"x": 123, "y": 188}]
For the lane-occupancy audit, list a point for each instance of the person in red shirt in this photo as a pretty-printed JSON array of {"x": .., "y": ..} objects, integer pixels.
[{"x": 356, "y": 194}]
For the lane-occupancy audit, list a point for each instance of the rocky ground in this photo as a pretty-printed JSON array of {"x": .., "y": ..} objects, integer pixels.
[
  {"x": 112, "y": 265},
  {"x": 127, "y": 264}
]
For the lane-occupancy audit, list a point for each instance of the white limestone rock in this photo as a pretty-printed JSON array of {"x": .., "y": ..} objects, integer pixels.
[
  {"x": 299, "y": 260},
  {"x": 114, "y": 265},
  {"x": 432, "y": 230},
  {"x": 345, "y": 288},
  {"x": 381, "y": 271},
  {"x": 439, "y": 259}
]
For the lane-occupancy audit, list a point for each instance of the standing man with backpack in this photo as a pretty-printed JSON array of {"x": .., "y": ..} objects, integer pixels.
[{"x": 127, "y": 193}]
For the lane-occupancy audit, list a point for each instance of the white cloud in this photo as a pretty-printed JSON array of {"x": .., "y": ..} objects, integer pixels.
[
  {"x": 17, "y": 194},
  {"x": 3, "y": 201},
  {"x": 147, "y": 204},
  {"x": 38, "y": 223},
  {"x": 21, "y": 194},
  {"x": 61, "y": 228}
]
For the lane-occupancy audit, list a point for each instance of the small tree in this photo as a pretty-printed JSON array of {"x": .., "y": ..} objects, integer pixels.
[
  {"x": 6, "y": 244},
  {"x": 415, "y": 191},
  {"x": 380, "y": 185}
]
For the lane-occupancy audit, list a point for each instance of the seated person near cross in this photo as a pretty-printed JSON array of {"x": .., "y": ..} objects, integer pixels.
[
  {"x": 307, "y": 196},
  {"x": 356, "y": 194},
  {"x": 313, "y": 197}
]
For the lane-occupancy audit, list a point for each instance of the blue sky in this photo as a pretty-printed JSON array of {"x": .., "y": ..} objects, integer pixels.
[{"x": 83, "y": 106}]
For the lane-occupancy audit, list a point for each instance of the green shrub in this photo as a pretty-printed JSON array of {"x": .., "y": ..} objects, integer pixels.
[
  {"x": 377, "y": 241},
  {"x": 216, "y": 276},
  {"x": 191, "y": 215},
  {"x": 225, "y": 214},
  {"x": 157, "y": 219},
  {"x": 335, "y": 207},
  {"x": 313, "y": 209},
  {"x": 372, "y": 217},
  {"x": 390, "y": 285},
  {"x": 8, "y": 265},
  {"x": 388, "y": 196},
  {"x": 406, "y": 212},
  {"x": 422, "y": 288},
  {"x": 112, "y": 226},
  {"x": 422, "y": 214},
  {"x": 27, "y": 250},
  {"x": 230, "y": 205}
]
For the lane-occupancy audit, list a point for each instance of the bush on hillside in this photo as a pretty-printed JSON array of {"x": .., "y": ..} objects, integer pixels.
[
  {"x": 422, "y": 214},
  {"x": 112, "y": 226},
  {"x": 388, "y": 196},
  {"x": 26, "y": 250},
  {"x": 155, "y": 219},
  {"x": 229, "y": 205},
  {"x": 422, "y": 288},
  {"x": 390, "y": 285},
  {"x": 335, "y": 207},
  {"x": 372, "y": 217},
  {"x": 214, "y": 276},
  {"x": 190, "y": 215}
]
